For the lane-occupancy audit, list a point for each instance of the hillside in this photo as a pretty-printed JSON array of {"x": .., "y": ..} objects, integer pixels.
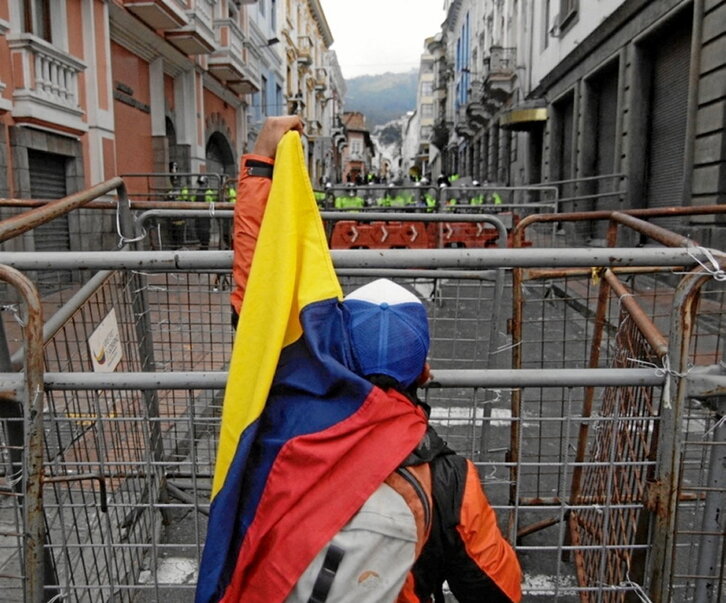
[{"x": 382, "y": 98}]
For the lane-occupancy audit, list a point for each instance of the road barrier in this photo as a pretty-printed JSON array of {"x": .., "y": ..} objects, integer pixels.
[{"x": 593, "y": 410}]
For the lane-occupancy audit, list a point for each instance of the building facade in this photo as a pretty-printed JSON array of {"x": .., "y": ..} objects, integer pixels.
[
  {"x": 358, "y": 148},
  {"x": 621, "y": 104},
  {"x": 419, "y": 129},
  {"x": 92, "y": 89}
]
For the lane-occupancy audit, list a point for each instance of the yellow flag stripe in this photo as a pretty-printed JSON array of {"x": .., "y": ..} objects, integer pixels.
[{"x": 291, "y": 269}]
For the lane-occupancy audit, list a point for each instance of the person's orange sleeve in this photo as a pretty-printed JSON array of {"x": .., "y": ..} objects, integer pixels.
[
  {"x": 252, "y": 194},
  {"x": 483, "y": 541}
]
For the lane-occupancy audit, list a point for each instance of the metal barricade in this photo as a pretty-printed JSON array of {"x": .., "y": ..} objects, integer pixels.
[
  {"x": 606, "y": 192},
  {"x": 174, "y": 189},
  {"x": 128, "y": 454},
  {"x": 622, "y": 468},
  {"x": 375, "y": 216}
]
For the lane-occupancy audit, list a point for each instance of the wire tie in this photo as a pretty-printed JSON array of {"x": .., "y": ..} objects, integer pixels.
[
  {"x": 717, "y": 425},
  {"x": 505, "y": 347},
  {"x": 641, "y": 594},
  {"x": 14, "y": 478},
  {"x": 122, "y": 239},
  {"x": 661, "y": 371},
  {"x": 211, "y": 209},
  {"x": 714, "y": 269},
  {"x": 13, "y": 308}
]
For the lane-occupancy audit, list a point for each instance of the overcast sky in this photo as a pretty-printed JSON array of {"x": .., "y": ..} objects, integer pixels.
[{"x": 379, "y": 36}]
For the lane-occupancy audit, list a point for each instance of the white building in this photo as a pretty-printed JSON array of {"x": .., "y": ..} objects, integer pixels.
[{"x": 618, "y": 103}]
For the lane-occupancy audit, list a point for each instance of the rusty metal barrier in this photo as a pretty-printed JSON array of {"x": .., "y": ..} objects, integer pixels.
[
  {"x": 128, "y": 454},
  {"x": 623, "y": 463}
]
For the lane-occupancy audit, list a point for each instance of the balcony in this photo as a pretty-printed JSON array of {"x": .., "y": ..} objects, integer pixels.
[
  {"x": 296, "y": 103},
  {"x": 304, "y": 51},
  {"x": 5, "y": 104},
  {"x": 463, "y": 126},
  {"x": 476, "y": 88},
  {"x": 321, "y": 79},
  {"x": 501, "y": 72},
  {"x": 478, "y": 114},
  {"x": 502, "y": 62},
  {"x": 230, "y": 62},
  {"x": 339, "y": 139},
  {"x": 197, "y": 37},
  {"x": 158, "y": 14},
  {"x": 476, "y": 110},
  {"x": 47, "y": 83}
]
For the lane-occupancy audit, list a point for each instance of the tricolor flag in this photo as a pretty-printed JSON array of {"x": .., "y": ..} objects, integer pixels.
[{"x": 304, "y": 441}]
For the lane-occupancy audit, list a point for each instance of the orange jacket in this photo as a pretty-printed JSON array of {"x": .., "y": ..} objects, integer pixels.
[
  {"x": 252, "y": 193},
  {"x": 465, "y": 547}
]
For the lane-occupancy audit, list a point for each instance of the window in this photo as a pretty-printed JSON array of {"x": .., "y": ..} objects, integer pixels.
[
  {"x": 273, "y": 14},
  {"x": 425, "y": 133},
  {"x": 427, "y": 110},
  {"x": 263, "y": 95},
  {"x": 568, "y": 10},
  {"x": 261, "y": 5},
  {"x": 427, "y": 88},
  {"x": 546, "y": 24},
  {"x": 278, "y": 100},
  {"x": 36, "y": 18}
]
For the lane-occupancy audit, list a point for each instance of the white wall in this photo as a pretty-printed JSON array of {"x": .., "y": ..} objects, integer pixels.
[{"x": 590, "y": 14}]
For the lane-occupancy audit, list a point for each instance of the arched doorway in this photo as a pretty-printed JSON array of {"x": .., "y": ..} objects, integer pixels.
[
  {"x": 219, "y": 156},
  {"x": 221, "y": 166},
  {"x": 174, "y": 156}
]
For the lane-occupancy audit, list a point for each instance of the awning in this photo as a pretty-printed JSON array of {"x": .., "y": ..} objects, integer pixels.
[{"x": 523, "y": 119}]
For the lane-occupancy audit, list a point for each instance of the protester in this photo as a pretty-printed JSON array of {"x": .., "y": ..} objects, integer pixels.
[{"x": 384, "y": 329}]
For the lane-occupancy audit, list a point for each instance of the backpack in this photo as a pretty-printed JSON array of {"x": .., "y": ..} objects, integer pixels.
[{"x": 369, "y": 559}]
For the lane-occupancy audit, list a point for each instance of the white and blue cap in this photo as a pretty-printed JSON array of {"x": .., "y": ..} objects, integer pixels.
[{"x": 389, "y": 331}]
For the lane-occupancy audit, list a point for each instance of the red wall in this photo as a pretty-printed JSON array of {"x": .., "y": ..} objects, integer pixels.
[{"x": 132, "y": 124}]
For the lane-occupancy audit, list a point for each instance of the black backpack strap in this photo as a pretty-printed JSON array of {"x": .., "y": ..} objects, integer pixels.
[{"x": 324, "y": 581}]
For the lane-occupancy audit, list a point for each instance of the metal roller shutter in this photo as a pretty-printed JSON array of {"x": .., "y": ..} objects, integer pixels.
[
  {"x": 668, "y": 115},
  {"x": 48, "y": 181},
  {"x": 564, "y": 123},
  {"x": 606, "y": 116},
  {"x": 607, "y": 107},
  {"x": 565, "y": 159}
]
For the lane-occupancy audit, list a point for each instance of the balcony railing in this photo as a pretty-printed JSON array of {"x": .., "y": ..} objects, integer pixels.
[
  {"x": 231, "y": 62},
  {"x": 502, "y": 61},
  {"x": 321, "y": 79},
  {"x": 305, "y": 50},
  {"x": 476, "y": 89},
  {"x": 47, "y": 82},
  {"x": 198, "y": 36},
  {"x": 158, "y": 14}
]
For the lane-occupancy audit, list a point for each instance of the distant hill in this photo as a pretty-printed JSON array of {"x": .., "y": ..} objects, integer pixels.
[{"x": 382, "y": 98}]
